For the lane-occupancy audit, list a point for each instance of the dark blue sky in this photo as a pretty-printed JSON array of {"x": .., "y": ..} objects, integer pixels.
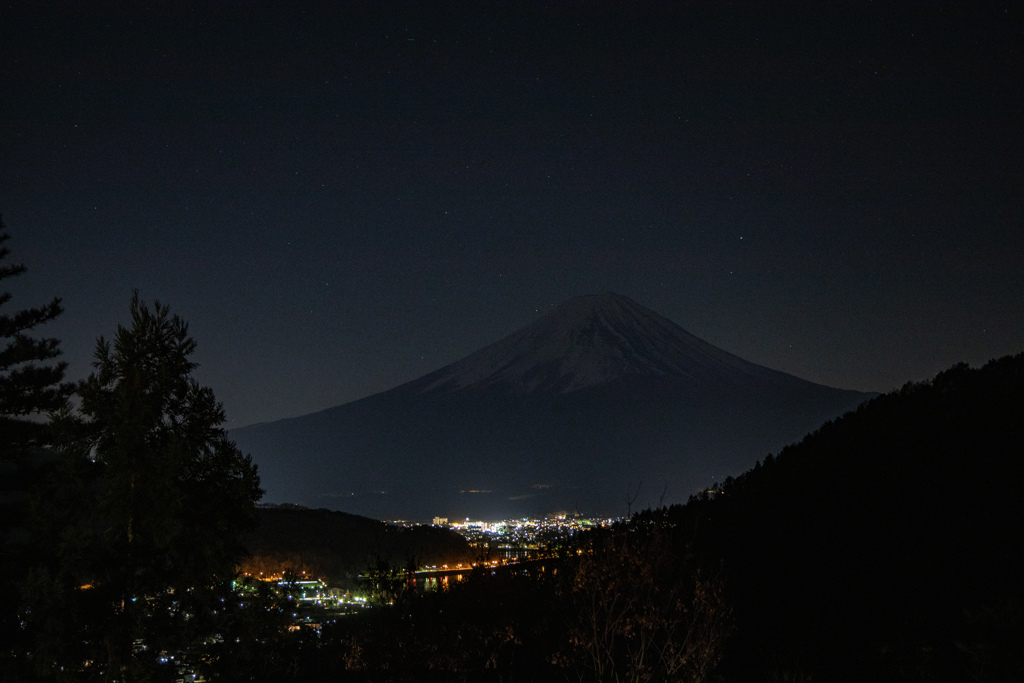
[{"x": 341, "y": 199}]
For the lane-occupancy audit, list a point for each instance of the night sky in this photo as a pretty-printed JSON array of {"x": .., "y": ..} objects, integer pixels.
[{"x": 340, "y": 197}]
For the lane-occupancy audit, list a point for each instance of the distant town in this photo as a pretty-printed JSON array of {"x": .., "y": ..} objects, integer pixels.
[
  {"x": 520, "y": 533},
  {"x": 499, "y": 544}
]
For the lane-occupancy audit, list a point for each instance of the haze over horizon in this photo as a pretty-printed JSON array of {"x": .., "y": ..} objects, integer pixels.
[{"x": 340, "y": 199}]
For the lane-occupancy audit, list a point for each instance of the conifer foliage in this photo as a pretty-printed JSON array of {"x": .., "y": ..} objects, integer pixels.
[
  {"x": 30, "y": 379},
  {"x": 162, "y": 499},
  {"x": 31, "y": 385}
]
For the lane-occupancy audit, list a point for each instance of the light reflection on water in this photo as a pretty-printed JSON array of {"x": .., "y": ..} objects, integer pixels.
[{"x": 433, "y": 583}]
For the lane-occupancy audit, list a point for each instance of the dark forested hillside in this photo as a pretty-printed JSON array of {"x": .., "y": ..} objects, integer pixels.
[
  {"x": 338, "y": 546},
  {"x": 888, "y": 543}
]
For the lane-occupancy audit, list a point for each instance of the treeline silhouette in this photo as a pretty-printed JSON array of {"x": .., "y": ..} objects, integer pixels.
[
  {"x": 337, "y": 547},
  {"x": 887, "y": 545}
]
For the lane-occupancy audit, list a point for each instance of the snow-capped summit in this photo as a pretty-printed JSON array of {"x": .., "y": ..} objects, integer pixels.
[
  {"x": 570, "y": 412},
  {"x": 589, "y": 341}
]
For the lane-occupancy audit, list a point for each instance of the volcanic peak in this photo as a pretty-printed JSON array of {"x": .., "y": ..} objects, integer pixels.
[{"x": 589, "y": 341}]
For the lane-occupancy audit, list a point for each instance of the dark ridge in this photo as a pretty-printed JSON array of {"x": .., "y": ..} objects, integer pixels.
[
  {"x": 337, "y": 546},
  {"x": 887, "y": 541}
]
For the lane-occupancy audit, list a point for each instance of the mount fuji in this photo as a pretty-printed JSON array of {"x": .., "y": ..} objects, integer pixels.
[{"x": 598, "y": 407}]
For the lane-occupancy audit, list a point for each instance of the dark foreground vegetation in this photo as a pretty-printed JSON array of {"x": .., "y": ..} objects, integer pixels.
[
  {"x": 630, "y": 606},
  {"x": 337, "y": 547},
  {"x": 887, "y": 545}
]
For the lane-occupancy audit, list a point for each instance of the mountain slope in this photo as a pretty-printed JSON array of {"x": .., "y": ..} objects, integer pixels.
[
  {"x": 886, "y": 542},
  {"x": 586, "y": 342},
  {"x": 578, "y": 411}
]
